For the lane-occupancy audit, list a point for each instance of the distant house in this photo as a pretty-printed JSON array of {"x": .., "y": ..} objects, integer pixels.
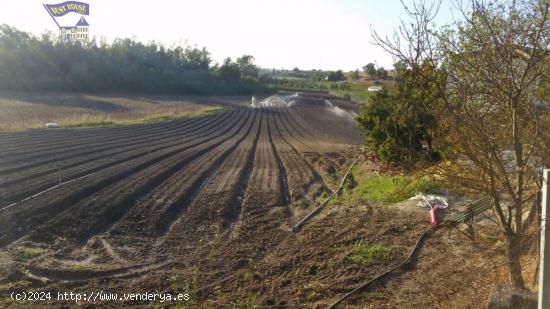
[
  {"x": 374, "y": 89},
  {"x": 76, "y": 33}
]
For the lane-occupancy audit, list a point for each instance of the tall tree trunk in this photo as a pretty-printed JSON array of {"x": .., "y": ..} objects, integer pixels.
[{"x": 513, "y": 260}]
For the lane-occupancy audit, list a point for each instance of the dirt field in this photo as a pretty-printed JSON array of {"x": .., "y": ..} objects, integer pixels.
[
  {"x": 205, "y": 206},
  {"x": 134, "y": 199}
]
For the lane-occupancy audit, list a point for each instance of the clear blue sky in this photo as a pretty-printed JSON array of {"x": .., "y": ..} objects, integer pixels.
[{"x": 326, "y": 34}]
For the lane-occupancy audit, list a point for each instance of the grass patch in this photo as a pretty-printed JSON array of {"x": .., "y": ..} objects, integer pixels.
[
  {"x": 322, "y": 197},
  {"x": 87, "y": 120},
  {"x": 23, "y": 111},
  {"x": 79, "y": 266},
  {"x": 358, "y": 90},
  {"x": 30, "y": 252},
  {"x": 337, "y": 248},
  {"x": 392, "y": 189},
  {"x": 365, "y": 254}
]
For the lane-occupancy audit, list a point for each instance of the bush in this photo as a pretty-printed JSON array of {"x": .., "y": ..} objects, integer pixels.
[
  {"x": 394, "y": 129},
  {"x": 400, "y": 125}
]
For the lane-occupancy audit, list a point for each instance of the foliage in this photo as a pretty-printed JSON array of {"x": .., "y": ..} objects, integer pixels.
[
  {"x": 396, "y": 126},
  {"x": 229, "y": 71},
  {"x": 336, "y": 76},
  {"x": 370, "y": 69},
  {"x": 43, "y": 64},
  {"x": 247, "y": 67},
  {"x": 381, "y": 73}
]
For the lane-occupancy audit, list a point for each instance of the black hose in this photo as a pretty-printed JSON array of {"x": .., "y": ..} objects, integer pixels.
[
  {"x": 325, "y": 202},
  {"x": 407, "y": 260}
]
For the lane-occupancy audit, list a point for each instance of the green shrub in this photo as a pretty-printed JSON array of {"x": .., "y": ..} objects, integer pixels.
[{"x": 400, "y": 123}]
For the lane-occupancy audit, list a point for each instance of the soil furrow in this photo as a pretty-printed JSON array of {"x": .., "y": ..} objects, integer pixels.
[
  {"x": 286, "y": 199},
  {"x": 18, "y": 192},
  {"x": 29, "y": 162},
  {"x": 21, "y": 218}
]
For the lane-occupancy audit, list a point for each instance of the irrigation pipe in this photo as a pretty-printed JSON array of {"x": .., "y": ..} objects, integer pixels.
[
  {"x": 325, "y": 202},
  {"x": 49, "y": 189},
  {"x": 407, "y": 260}
]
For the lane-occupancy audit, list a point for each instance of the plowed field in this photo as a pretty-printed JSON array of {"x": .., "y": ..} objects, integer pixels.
[{"x": 134, "y": 206}]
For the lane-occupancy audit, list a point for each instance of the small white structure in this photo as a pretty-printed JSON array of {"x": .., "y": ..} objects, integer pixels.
[
  {"x": 52, "y": 125},
  {"x": 374, "y": 88}
]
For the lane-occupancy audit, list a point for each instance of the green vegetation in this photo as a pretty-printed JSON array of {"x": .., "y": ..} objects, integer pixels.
[
  {"x": 365, "y": 254},
  {"x": 349, "y": 85},
  {"x": 398, "y": 127},
  {"x": 28, "y": 253},
  {"x": 336, "y": 76},
  {"x": 362, "y": 186},
  {"x": 356, "y": 91},
  {"x": 370, "y": 69},
  {"x": 29, "y": 63},
  {"x": 375, "y": 73},
  {"x": 391, "y": 189},
  {"x": 130, "y": 66}
]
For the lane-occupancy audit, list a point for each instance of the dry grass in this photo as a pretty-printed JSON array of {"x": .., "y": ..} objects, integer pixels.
[{"x": 19, "y": 111}]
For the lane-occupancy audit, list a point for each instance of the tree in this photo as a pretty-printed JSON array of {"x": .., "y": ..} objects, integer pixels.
[
  {"x": 336, "y": 76},
  {"x": 229, "y": 71},
  {"x": 355, "y": 74},
  {"x": 493, "y": 63},
  {"x": 396, "y": 127},
  {"x": 381, "y": 73},
  {"x": 247, "y": 67},
  {"x": 400, "y": 68},
  {"x": 370, "y": 69}
]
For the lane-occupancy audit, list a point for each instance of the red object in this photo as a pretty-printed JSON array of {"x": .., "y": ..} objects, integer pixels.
[{"x": 433, "y": 214}]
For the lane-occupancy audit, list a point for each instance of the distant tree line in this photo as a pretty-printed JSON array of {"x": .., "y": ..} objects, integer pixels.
[
  {"x": 29, "y": 63},
  {"x": 375, "y": 73}
]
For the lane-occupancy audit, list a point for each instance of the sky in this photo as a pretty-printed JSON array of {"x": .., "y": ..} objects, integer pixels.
[{"x": 308, "y": 34}]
